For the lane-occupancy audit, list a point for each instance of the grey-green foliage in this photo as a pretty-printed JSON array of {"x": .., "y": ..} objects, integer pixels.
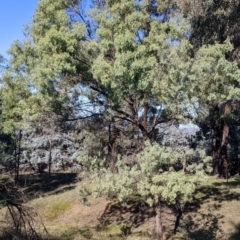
[
  {"x": 136, "y": 55},
  {"x": 17, "y": 102},
  {"x": 136, "y": 61},
  {"x": 34, "y": 82},
  {"x": 210, "y": 78},
  {"x": 161, "y": 172}
]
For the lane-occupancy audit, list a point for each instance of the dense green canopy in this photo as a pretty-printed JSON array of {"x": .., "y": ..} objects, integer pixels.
[{"x": 138, "y": 60}]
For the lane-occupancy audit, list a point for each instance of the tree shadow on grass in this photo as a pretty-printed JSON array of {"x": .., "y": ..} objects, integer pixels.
[
  {"x": 37, "y": 185},
  {"x": 233, "y": 182},
  {"x": 205, "y": 193},
  {"x": 219, "y": 191},
  {"x": 205, "y": 228},
  {"x": 133, "y": 214}
]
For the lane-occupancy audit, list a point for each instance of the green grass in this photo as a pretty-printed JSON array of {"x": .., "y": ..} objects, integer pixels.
[{"x": 54, "y": 209}]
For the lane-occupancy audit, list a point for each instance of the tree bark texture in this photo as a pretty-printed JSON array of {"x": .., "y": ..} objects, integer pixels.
[{"x": 221, "y": 135}]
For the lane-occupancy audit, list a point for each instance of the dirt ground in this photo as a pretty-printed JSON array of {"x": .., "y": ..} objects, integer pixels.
[{"x": 214, "y": 214}]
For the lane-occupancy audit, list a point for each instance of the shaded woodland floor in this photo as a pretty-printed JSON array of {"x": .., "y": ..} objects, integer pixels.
[{"x": 56, "y": 202}]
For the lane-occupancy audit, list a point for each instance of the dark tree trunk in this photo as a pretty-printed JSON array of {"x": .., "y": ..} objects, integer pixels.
[
  {"x": 221, "y": 129},
  {"x": 17, "y": 157},
  {"x": 178, "y": 217},
  {"x": 217, "y": 148},
  {"x": 49, "y": 161},
  {"x": 145, "y": 115},
  {"x": 224, "y": 157},
  {"x": 15, "y": 161}
]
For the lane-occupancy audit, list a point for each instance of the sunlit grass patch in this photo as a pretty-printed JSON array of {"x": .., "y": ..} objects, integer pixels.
[
  {"x": 109, "y": 228},
  {"x": 54, "y": 210}
]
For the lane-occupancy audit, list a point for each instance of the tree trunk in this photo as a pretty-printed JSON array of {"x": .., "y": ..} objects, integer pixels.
[
  {"x": 159, "y": 231},
  {"x": 224, "y": 158},
  {"x": 217, "y": 148},
  {"x": 49, "y": 160},
  {"x": 178, "y": 217},
  {"x": 145, "y": 115},
  {"x": 220, "y": 159},
  {"x": 17, "y": 157},
  {"x": 15, "y": 161}
]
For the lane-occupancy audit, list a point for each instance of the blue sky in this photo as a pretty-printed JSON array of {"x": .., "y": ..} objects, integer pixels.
[{"x": 14, "y": 14}]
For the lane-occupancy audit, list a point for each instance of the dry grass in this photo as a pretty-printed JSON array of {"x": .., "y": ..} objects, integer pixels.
[{"x": 215, "y": 215}]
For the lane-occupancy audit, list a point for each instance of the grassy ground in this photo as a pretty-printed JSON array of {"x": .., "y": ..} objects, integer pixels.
[{"x": 214, "y": 214}]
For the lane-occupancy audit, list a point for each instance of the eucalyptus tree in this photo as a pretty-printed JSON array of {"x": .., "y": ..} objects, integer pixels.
[
  {"x": 213, "y": 31},
  {"x": 214, "y": 23},
  {"x": 212, "y": 82},
  {"x": 151, "y": 70},
  {"x": 138, "y": 68},
  {"x": 130, "y": 68},
  {"x": 138, "y": 63},
  {"x": 33, "y": 84}
]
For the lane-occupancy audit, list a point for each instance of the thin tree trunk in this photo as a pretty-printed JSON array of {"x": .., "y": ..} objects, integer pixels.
[
  {"x": 49, "y": 160},
  {"x": 15, "y": 161},
  {"x": 178, "y": 217},
  {"x": 112, "y": 146},
  {"x": 159, "y": 230},
  {"x": 217, "y": 148},
  {"x": 224, "y": 158},
  {"x": 19, "y": 152},
  {"x": 145, "y": 118},
  {"x": 17, "y": 157}
]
